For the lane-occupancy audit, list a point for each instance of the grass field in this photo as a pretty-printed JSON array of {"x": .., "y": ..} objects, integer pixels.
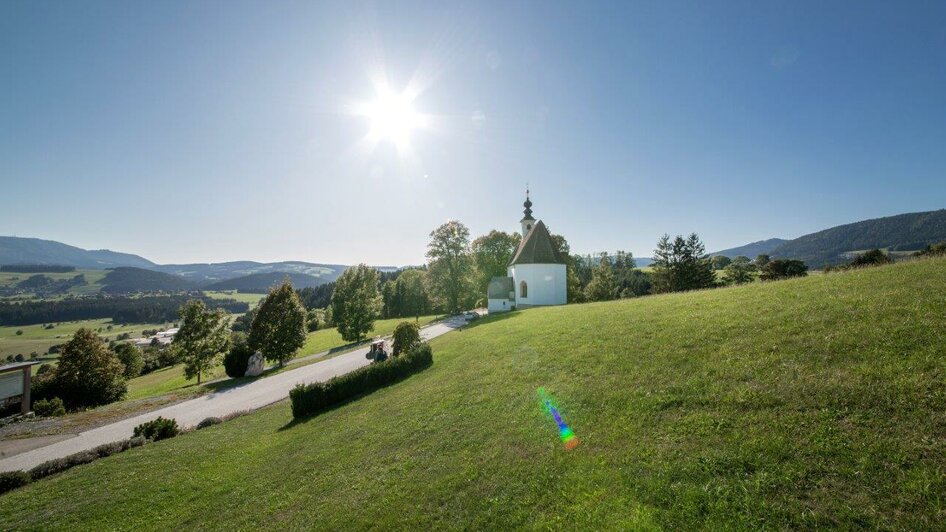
[
  {"x": 36, "y": 338},
  {"x": 811, "y": 403},
  {"x": 92, "y": 278},
  {"x": 251, "y": 299}
]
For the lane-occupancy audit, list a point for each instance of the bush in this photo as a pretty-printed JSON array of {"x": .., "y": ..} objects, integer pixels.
[
  {"x": 11, "y": 480},
  {"x": 209, "y": 422},
  {"x": 49, "y": 407},
  {"x": 406, "y": 337},
  {"x": 235, "y": 361},
  {"x": 19, "y": 332},
  {"x": 59, "y": 465},
  {"x": 158, "y": 429},
  {"x": 309, "y": 399},
  {"x": 783, "y": 269}
]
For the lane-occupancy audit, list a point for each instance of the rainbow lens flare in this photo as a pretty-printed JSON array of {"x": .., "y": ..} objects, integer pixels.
[{"x": 568, "y": 437}]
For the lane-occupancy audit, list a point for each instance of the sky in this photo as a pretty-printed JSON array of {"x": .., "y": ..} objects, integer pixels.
[{"x": 208, "y": 131}]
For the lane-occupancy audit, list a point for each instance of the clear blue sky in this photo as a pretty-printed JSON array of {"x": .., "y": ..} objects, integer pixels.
[{"x": 212, "y": 131}]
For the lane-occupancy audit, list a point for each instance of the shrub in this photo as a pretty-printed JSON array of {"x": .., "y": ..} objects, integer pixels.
[
  {"x": 19, "y": 332},
  {"x": 49, "y": 407},
  {"x": 158, "y": 429},
  {"x": 783, "y": 269},
  {"x": 59, "y": 465},
  {"x": 873, "y": 257},
  {"x": 406, "y": 337},
  {"x": 11, "y": 480},
  {"x": 309, "y": 399},
  {"x": 235, "y": 361},
  {"x": 19, "y": 357},
  {"x": 209, "y": 422}
]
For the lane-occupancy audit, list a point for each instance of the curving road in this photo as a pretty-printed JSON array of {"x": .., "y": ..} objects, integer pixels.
[{"x": 256, "y": 394}]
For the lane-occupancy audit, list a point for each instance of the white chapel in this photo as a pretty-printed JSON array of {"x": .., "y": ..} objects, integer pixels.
[{"x": 536, "y": 274}]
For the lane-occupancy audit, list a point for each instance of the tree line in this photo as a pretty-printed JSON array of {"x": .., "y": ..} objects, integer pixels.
[{"x": 144, "y": 309}]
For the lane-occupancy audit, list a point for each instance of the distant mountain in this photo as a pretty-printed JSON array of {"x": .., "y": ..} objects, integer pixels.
[
  {"x": 129, "y": 280},
  {"x": 260, "y": 283},
  {"x": 904, "y": 232},
  {"x": 16, "y": 250},
  {"x": 762, "y": 247},
  {"x": 221, "y": 271}
]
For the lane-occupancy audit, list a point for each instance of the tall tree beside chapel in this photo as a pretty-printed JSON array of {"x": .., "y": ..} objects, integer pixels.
[
  {"x": 204, "y": 334},
  {"x": 279, "y": 327},
  {"x": 450, "y": 267},
  {"x": 602, "y": 286},
  {"x": 491, "y": 256},
  {"x": 356, "y": 302}
]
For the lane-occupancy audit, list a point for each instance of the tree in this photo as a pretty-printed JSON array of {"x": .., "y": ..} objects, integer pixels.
[
  {"x": 491, "y": 256},
  {"x": 783, "y": 269},
  {"x": 88, "y": 373},
  {"x": 414, "y": 299},
  {"x": 681, "y": 264},
  {"x": 602, "y": 286},
  {"x": 720, "y": 261},
  {"x": 279, "y": 328},
  {"x": 356, "y": 302},
  {"x": 450, "y": 267},
  {"x": 406, "y": 337},
  {"x": 761, "y": 260},
  {"x": 739, "y": 271},
  {"x": 203, "y": 335},
  {"x": 130, "y": 357},
  {"x": 873, "y": 257}
]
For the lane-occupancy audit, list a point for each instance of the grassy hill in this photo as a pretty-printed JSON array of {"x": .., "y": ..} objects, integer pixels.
[
  {"x": 752, "y": 250},
  {"x": 18, "y": 250},
  {"x": 811, "y": 403}
]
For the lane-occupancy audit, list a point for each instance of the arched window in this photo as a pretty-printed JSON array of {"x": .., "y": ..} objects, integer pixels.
[{"x": 523, "y": 289}]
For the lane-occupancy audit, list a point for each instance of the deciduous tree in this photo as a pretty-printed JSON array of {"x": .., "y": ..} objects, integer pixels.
[
  {"x": 450, "y": 266},
  {"x": 356, "y": 302},
  {"x": 202, "y": 337},
  {"x": 491, "y": 256},
  {"x": 279, "y": 328},
  {"x": 88, "y": 373}
]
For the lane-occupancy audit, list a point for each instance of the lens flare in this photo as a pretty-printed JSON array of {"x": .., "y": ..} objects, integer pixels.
[{"x": 565, "y": 433}]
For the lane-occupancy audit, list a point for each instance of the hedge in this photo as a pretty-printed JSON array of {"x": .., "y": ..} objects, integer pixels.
[
  {"x": 309, "y": 399},
  {"x": 58, "y": 465}
]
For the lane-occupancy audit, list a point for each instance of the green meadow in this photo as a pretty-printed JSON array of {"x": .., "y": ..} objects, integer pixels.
[
  {"x": 36, "y": 338},
  {"x": 811, "y": 403}
]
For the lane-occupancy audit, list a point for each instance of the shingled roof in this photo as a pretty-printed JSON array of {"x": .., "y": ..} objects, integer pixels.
[
  {"x": 537, "y": 248},
  {"x": 500, "y": 287}
]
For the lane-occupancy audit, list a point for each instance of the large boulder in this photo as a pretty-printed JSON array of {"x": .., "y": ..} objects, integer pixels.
[{"x": 254, "y": 366}]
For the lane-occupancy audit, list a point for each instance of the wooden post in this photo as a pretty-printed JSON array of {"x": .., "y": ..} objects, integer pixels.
[{"x": 27, "y": 374}]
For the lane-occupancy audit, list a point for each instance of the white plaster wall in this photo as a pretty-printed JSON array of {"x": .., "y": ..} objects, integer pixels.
[
  {"x": 548, "y": 283},
  {"x": 499, "y": 305}
]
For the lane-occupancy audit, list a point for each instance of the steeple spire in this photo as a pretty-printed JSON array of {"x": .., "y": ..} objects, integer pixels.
[{"x": 527, "y": 220}]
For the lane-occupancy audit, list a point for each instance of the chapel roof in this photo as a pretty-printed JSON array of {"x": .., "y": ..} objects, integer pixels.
[
  {"x": 499, "y": 288},
  {"x": 537, "y": 248}
]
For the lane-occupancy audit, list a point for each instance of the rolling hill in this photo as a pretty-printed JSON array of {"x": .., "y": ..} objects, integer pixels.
[
  {"x": 129, "y": 280},
  {"x": 815, "y": 403},
  {"x": 17, "y": 250},
  {"x": 260, "y": 283},
  {"x": 762, "y": 247},
  {"x": 220, "y": 271},
  {"x": 904, "y": 232}
]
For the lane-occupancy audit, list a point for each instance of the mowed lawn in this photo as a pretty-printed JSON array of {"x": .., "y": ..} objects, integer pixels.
[
  {"x": 171, "y": 379},
  {"x": 810, "y": 403}
]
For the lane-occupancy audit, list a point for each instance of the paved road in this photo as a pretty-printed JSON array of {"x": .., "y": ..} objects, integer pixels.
[{"x": 256, "y": 394}]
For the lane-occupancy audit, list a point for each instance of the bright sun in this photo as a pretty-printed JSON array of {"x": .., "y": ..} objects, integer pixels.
[{"x": 392, "y": 118}]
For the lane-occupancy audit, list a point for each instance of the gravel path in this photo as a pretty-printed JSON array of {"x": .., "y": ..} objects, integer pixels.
[{"x": 251, "y": 396}]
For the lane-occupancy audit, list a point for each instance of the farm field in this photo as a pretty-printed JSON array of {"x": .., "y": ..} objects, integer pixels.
[
  {"x": 92, "y": 278},
  {"x": 36, "y": 338},
  {"x": 810, "y": 403},
  {"x": 252, "y": 299}
]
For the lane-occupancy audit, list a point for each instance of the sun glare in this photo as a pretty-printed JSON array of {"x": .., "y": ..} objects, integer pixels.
[{"x": 391, "y": 118}]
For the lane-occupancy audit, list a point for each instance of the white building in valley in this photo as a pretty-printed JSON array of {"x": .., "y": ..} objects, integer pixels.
[{"x": 536, "y": 274}]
